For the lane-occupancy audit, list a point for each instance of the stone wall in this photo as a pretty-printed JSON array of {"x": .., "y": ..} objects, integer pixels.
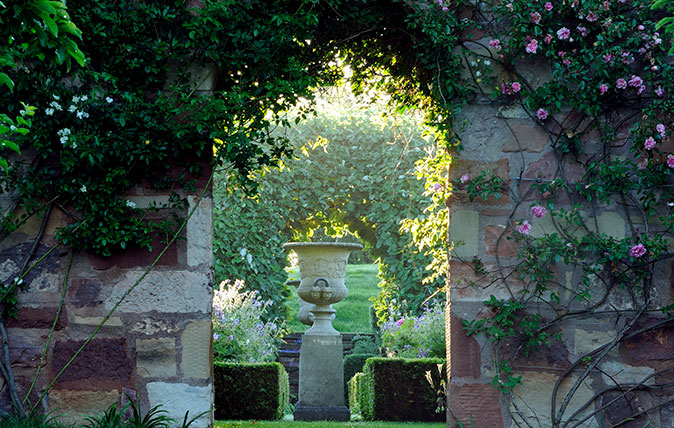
[
  {"x": 156, "y": 345},
  {"x": 504, "y": 139}
]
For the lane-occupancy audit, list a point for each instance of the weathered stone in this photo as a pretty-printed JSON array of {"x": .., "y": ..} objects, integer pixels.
[
  {"x": 469, "y": 286},
  {"x": 473, "y": 168},
  {"x": 178, "y": 398},
  {"x": 465, "y": 357},
  {"x": 614, "y": 373},
  {"x": 46, "y": 276},
  {"x": 23, "y": 351},
  {"x": 163, "y": 291},
  {"x": 498, "y": 241},
  {"x": 102, "y": 364},
  {"x": 72, "y": 406},
  {"x": 611, "y": 224},
  {"x": 586, "y": 341},
  {"x": 196, "y": 350},
  {"x": 556, "y": 355},
  {"x": 152, "y": 326},
  {"x": 651, "y": 348},
  {"x": 137, "y": 257},
  {"x": 546, "y": 169},
  {"x": 42, "y": 317},
  {"x": 95, "y": 321},
  {"x": 475, "y": 405},
  {"x": 622, "y": 410},
  {"x": 512, "y": 111},
  {"x": 84, "y": 292},
  {"x": 156, "y": 357},
  {"x": 464, "y": 227},
  {"x": 157, "y": 201},
  {"x": 526, "y": 138},
  {"x": 533, "y": 399},
  {"x": 200, "y": 233}
]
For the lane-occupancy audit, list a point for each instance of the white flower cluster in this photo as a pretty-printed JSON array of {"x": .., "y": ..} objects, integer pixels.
[
  {"x": 75, "y": 107},
  {"x": 64, "y": 135}
]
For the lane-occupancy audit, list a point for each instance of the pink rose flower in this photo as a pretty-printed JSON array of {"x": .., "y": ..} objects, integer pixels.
[
  {"x": 535, "y": 17},
  {"x": 563, "y": 33},
  {"x": 641, "y": 89},
  {"x": 538, "y": 211},
  {"x": 464, "y": 178},
  {"x": 660, "y": 127},
  {"x": 496, "y": 44},
  {"x": 641, "y": 28},
  {"x": 532, "y": 46},
  {"x": 566, "y": 62},
  {"x": 547, "y": 39},
  {"x": 525, "y": 228},
  {"x": 670, "y": 161},
  {"x": 649, "y": 143},
  {"x": 636, "y": 81},
  {"x": 516, "y": 87},
  {"x": 637, "y": 251},
  {"x": 621, "y": 83},
  {"x": 603, "y": 88},
  {"x": 659, "y": 91},
  {"x": 548, "y": 6},
  {"x": 583, "y": 31},
  {"x": 542, "y": 114},
  {"x": 591, "y": 17}
]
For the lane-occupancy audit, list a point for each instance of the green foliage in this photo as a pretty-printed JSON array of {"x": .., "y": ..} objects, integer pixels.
[
  {"x": 239, "y": 332},
  {"x": 414, "y": 397},
  {"x": 131, "y": 416},
  {"x": 354, "y": 363},
  {"x": 353, "y": 170},
  {"x": 250, "y": 391},
  {"x": 8, "y": 420},
  {"x": 421, "y": 336}
]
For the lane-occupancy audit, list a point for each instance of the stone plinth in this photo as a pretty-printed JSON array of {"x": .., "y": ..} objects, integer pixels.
[{"x": 321, "y": 395}]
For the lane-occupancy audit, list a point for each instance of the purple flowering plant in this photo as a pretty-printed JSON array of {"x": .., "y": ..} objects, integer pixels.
[
  {"x": 239, "y": 335},
  {"x": 416, "y": 336}
]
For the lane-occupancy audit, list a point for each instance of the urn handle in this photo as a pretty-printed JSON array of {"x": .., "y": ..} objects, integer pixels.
[{"x": 321, "y": 289}]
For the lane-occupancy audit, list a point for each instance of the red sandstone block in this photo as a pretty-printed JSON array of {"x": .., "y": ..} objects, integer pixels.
[
  {"x": 137, "y": 257},
  {"x": 465, "y": 352},
  {"x": 42, "y": 317},
  {"x": 473, "y": 169},
  {"x": 103, "y": 364},
  {"x": 496, "y": 241},
  {"x": 477, "y": 402}
]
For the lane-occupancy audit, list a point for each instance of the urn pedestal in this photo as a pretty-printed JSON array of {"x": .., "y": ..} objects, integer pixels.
[{"x": 321, "y": 388}]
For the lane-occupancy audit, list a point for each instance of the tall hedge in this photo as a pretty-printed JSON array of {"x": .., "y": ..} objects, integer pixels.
[
  {"x": 250, "y": 390},
  {"x": 416, "y": 395}
]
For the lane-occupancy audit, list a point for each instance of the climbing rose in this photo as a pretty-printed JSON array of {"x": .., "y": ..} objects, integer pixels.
[
  {"x": 603, "y": 88},
  {"x": 591, "y": 17},
  {"x": 659, "y": 91},
  {"x": 532, "y": 46},
  {"x": 542, "y": 114},
  {"x": 637, "y": 250},
  {"x": 548, "y": 6},
  {"x": 525, "y": 228},
  {"x": 670, "y": 161},
  {"x": 496, "y": 43},
  {"x": 535, "y": 17},
  {"x": 621, "y": 83},
  {"x": 516, "y": 87},
  {"x": 661, "y": 129},
  {"x": 464, "y": 178},
  {"x": 649, "y": 143},
  {"x": 636, "y": 81},
  {"x": 563, "y": 33},
  {"x": 538, "y": 211}
]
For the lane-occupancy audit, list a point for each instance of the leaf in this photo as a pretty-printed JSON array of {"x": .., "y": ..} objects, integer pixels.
[{"x": 4, "y": 79}]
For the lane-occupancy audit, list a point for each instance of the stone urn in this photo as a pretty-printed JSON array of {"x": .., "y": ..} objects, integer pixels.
[{"x": 322, "y": 272}]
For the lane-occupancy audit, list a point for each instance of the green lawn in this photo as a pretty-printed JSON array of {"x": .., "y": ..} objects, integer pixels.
[
  {"x": 292, "y": 424},
  {"x": 353, "y": 313}
]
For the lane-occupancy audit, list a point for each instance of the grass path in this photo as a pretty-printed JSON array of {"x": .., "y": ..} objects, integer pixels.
[
  {"x": 353, "y": 313},
  {"x": 292, "y": 424}
]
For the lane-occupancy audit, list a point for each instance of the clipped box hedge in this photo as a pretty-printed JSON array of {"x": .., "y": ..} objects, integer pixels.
[
  {"x": 353, "y": 363},
  {"x": 398, "y": 389},
  {"x": 250, "y": 390}
]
